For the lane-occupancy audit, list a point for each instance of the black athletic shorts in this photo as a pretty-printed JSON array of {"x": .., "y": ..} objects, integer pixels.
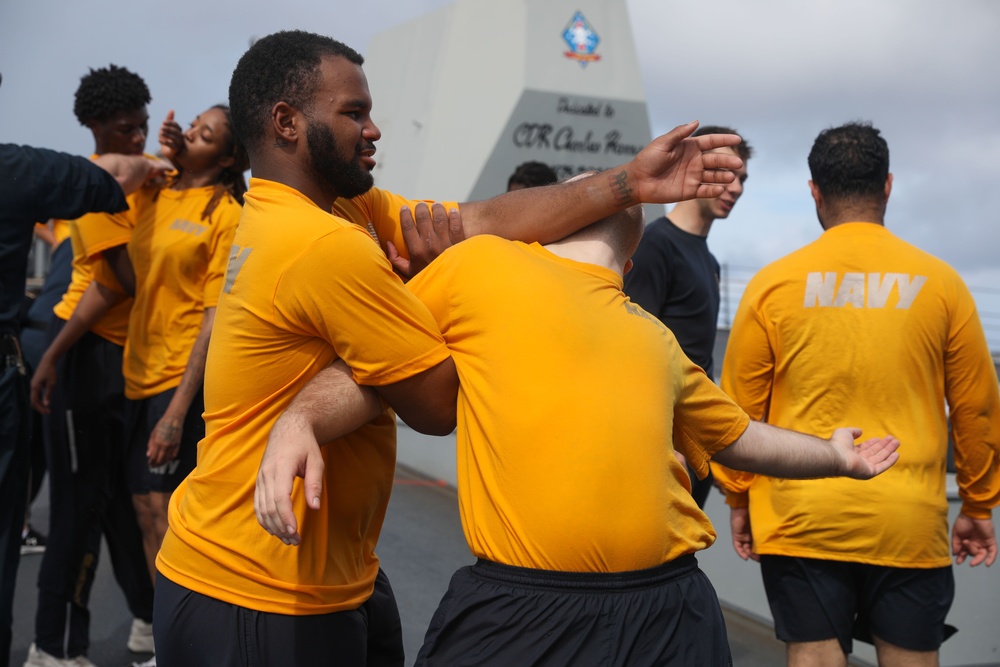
[
  {"x": 499, "y": 615},
  {"x": 140, "y": 419},
  {"x": 193, "y": 630},
  {"x": 812, "y": 600}
]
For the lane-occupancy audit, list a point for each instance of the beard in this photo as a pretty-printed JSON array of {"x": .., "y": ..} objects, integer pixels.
[{"x": 344, "y": 178}]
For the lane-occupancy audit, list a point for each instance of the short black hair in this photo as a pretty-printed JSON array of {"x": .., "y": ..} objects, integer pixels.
[
  {"x": 850, "y": 162},
  {"x": 282, "y": 67},
  {"x": 107, "y": 91},
  {"x": 743, "y": 149},
  {"x": 532, "y": 174}
]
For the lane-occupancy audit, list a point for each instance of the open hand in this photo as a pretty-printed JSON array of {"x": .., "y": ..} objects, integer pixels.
[
  {"x": 171, "y": 137},
  {"x": 872, "y": 457},
  {"x": 427, "y": 233},
  {"x": 676, "y": 166},
  {"x": 292, "y": 451}
]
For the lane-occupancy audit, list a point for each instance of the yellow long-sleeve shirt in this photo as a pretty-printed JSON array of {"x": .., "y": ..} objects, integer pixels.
[{"x": 860, "y": 328}]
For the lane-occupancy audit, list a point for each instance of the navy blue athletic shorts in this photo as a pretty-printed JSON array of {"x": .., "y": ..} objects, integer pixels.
[
  {"x": 193, "y": 630},
  {"x": 813, "y": 600},
  {"x": 499, "y": 615},
  {"x": 140, "y": 419}
]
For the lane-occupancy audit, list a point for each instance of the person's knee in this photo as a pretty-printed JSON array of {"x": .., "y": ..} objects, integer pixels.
[
  {"x": 824, "y": 653},
  {"x": 890, "y": 655},
  {"x": 144, "y": 513}
]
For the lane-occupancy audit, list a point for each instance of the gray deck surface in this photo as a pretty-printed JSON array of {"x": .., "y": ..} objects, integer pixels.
[{"x": 421, "y": 545}]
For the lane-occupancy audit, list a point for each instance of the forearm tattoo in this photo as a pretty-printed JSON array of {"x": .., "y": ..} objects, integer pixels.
[
  {"x": 169, "y": 432},
  {"x": 623, "y": 192}
]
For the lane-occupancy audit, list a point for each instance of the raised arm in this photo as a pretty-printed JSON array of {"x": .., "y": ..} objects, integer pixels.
[
  {"x": 131, "y": 171},
  {"x": 673, "y": 167},
  {"x": 777, "y": 452}
]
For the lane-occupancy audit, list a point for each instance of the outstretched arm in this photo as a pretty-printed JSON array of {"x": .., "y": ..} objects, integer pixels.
[
  {"x": 131, "y": 171},
  {"x": 778, "y": 452},
  {"x": 673, "y": 167}
]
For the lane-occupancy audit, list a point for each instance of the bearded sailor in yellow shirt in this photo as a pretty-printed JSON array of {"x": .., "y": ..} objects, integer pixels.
[{"x": 308, "y": 284}]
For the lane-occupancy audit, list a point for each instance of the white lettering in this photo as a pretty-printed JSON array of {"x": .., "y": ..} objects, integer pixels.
[
  {"x": 851, "y": 291},
  {"x": 237, "y": 258},
  {"x": 819, "y": 289},
  {"x": 909, "y": 287},
  {"x": 880, "y": 288},
  {"x": 859, "y": 290}
]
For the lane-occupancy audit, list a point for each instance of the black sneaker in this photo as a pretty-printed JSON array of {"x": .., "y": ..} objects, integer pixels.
[{"x": 32, "y": 542}]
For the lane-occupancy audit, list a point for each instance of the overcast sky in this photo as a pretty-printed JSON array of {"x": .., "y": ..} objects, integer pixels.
[{"x": 779, "y": 71}]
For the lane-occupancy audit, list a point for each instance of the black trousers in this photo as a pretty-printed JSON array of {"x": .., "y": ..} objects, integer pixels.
[
  {"x": 14, "y": 456},
  {"x": 496, "y": 615},
  {"x": 85, "y": 451},
  {"x": 194, "y": 630}
]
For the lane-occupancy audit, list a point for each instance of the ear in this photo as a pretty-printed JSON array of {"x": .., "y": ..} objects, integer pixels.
[
  {"x": 226, "y": 162},
  {"x": 816, "y": 194},
  {"x": 888, "y": 186},
  {"x": 285, "y": 121},
  {"x": 628, "y": 266}
]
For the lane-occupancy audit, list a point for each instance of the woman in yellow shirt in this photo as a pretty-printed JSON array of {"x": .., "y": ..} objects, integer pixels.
[{"x": 179, "y": 250}]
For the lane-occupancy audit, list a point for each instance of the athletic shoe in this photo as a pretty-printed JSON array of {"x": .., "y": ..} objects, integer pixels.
[
  {"x": 147, "y": 663},
  {"x": 32, "y": 542},
  {"x": 140, "y": 637},
  {"x": 39, "y": 658}
]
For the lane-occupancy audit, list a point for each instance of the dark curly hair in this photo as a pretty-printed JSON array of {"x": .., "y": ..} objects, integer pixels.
[
  {"x": 282, "y": 67},
  {"x": 532, "y": 174},
  {"x": 743, "y": 149},
  {"x": 107, "y": 91},
  {"x": 850, "y": 162}
]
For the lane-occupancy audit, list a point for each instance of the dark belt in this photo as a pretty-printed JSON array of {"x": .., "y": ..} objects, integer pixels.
[{"x": 10, "y": 353}]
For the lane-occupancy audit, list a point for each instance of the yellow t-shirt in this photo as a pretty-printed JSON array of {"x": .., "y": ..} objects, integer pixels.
[
  {"x": 571, "y": 397},
  {"x": 303, "y": 287},
  {"x": 180, "y": 263},
  {"x": 91, "y": 235},
  {"x": 60, "y": 230},
  {"x": 860, "y": 328}
]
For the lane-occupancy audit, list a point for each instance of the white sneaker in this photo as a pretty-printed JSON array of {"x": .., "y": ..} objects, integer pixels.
[
  {"x": 39, "y": 658},
  {"x": 140, "y": 637},
  {"x": 148, "y": 663}
]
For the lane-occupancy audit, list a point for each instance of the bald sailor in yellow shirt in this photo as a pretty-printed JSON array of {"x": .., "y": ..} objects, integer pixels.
[
  {"x": 862, "y": 326},
  {"x": 570, "y": 493}
]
